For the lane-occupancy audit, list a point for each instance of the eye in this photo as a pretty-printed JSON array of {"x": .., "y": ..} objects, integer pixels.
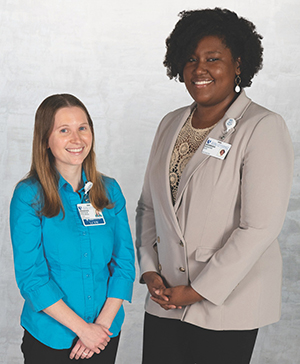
[
  {"x": 84, "y": 127},
  {"x": 212, "y": 59},
  {"x": 192, "y": 59},
  {"x": 64, "y": 130}
]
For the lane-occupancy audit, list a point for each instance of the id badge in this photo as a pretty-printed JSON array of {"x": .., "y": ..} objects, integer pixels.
[
  {"x": 216, "y": 148},
  {"x": 89, "y": 215}
]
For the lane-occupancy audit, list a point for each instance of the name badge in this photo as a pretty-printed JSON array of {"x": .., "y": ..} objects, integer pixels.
[
  {"x": 215, "y": 148},
  {"x": 89, "y": 215}
]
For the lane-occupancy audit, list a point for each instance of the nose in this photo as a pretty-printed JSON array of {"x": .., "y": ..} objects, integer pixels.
[
  {"x": 75, "y": 137},
  {"x": 200, "y": 67}
]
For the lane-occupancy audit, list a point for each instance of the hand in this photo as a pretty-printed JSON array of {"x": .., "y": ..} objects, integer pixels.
[
  {"x": 156, "y": 288},
  {"x": 95, "y": 337},
  {"x": 179, "y": 296},
  {"x": 81, "y": 351}
]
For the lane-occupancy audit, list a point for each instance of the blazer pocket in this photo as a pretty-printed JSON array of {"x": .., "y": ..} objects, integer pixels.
[{"x": 204, "y": 254}]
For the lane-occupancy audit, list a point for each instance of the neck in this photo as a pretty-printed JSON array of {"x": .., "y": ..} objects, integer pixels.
[
  {"x": 72, "y": 174},
  {"x": 207, "y": 116}
]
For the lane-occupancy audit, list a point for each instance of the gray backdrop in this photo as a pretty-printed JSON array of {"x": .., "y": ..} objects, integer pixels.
[{"x": 109, "y": 54}]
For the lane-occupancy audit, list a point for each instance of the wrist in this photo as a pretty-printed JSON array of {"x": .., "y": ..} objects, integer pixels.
[
  {"x": 149, "y": 276},
  {"x": 80, "y": 328},
  {"x": 104, "y": 323},
  {"x": 195, "y": 296}
]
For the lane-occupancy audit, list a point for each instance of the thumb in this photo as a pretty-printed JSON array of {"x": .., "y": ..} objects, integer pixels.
[{"x": 106, "y": 330}]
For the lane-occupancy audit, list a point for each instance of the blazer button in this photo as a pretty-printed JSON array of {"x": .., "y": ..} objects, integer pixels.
[
  {"x": 158, "y": 239},
  {"x": 181, "y": 243},
  {"x": 159, "y": 267},
  {"x": 182, "y": 269}
]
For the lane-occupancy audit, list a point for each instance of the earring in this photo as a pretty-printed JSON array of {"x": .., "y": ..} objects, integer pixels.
[{"x": 237, "y": 81}]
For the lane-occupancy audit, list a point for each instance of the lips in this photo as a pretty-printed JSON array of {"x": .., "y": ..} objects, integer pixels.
[
  {"x": 202, "y": 82},
  {"x": 75, "y": 150}
]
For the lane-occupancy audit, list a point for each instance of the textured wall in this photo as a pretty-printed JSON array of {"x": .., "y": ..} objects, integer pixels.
[{"x": 109, "y": 54}]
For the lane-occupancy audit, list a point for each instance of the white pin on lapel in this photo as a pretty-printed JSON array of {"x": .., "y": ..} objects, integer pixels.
[{"x": 230, "y": 124}]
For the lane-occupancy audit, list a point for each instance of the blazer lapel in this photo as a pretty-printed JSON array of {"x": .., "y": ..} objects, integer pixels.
[
  {"x": 196, "y": 161},
  {"x": 236, "y": 111},
  {"x": 164, "y": 152}
]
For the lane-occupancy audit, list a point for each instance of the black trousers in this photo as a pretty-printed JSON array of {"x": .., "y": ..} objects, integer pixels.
[
  {"x": 169, "y": 341},
  {"x": 37, "y": 353}
]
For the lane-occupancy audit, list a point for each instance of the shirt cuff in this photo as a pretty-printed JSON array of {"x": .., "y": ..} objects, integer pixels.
[
  {"x": 44, "y": 296},
  {"x": 119, "y": 287}
]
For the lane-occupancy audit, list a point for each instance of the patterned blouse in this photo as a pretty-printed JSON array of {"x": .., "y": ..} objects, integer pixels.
[{"x": 188, "y": 141}]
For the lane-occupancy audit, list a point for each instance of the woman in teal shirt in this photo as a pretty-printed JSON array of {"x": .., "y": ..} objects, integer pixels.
[{"x": 73, "y": 251}]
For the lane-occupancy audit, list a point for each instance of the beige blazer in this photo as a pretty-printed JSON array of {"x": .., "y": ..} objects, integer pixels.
[{"x": 221, "y": 235}]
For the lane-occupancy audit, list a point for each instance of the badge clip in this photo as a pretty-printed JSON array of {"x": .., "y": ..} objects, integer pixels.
[
  {"x": 230, "y": 125},
  {"x": 87, "y": 188}
]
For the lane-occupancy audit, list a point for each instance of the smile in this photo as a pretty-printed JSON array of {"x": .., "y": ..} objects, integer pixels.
[
  {"x": 202, "y": 83},
  {"x": 77, "y": 150}
]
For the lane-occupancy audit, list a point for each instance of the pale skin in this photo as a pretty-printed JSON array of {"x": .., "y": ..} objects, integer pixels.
[{"x": 70, "y": 142}]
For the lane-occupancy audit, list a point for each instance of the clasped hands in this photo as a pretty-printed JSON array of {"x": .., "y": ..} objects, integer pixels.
[
  {"x": 169, "y": 297},
  {"x": 93, "y": 339}
]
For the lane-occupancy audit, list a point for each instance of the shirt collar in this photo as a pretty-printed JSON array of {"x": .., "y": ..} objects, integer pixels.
[{"x": 62, "y": 182}]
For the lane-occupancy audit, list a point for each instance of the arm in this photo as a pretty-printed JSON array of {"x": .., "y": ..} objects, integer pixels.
[
  {"x": 32, "y": 275},
  {"x": 103, "y": 323},
  {"x": 122, "y": 269},
  {"x": 93, "y": 336},
  {"x": 266, "y": 178}
]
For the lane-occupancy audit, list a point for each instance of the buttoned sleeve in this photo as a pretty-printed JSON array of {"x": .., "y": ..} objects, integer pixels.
[
  {"x": 266, "y": 178},
  {"x": 121, "y": 267},
  {"x": 31, "y": 268}
]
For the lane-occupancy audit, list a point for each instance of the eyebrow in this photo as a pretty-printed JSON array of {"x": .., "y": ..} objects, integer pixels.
[{"x": 213, "y": 52}]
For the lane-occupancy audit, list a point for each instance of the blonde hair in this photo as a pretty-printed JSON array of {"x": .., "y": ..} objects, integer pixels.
[{"x": 43, "y": 166}]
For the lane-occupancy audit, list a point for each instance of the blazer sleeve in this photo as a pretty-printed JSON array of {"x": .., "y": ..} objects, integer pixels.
[
  {"x": 266, "y": 179},
  {"x": 121, "y": 267},
  {"x": 145, "y": 222},
  {"x": 32, "y": 274}
]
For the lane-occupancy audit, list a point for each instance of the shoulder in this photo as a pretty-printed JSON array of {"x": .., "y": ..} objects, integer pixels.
[
  {"x": 26, "y": 195},
  {"x": 257, "y": 118},
  {"x": 28, "y": 189},
  {"x": 113, "y": 189},
  {"x": 172, "y": 120},
  {"x": 180, "y": 113}
]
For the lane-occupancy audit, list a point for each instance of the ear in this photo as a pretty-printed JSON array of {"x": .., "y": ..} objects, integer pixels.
[{"x": 238, "y": 66}]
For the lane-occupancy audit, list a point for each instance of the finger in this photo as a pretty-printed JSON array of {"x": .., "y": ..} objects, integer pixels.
[
  {"x": 85, "y": 354},
  {"x": 79, "y": 353},
  {"x": 160, "y": 294},
  {"x": 74, "y": 350},
  {"x": 169, "y": 307},
  {"x": 159, "y": 300},
  {"x": 106, "y": 330},
  {"x": 101, "y": 347},
  {"x": 90, "y": 354}
]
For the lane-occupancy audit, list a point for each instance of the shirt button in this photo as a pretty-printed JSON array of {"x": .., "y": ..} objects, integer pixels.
[
  {"x": 87, "y": 276},
  {"x": 85, "y": 255},
  {"x": 84, "y": 233},
  {"x": 182, "y": 269},
  {"x": 89, "y": 297},
  {"x": 159, "y": 267},
  {"x": 181, "y": 243},
  {"x": 158, "y": 239}
]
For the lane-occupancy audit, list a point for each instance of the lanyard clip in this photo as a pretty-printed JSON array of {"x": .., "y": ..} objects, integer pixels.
[{"x": 87, "y": 188}]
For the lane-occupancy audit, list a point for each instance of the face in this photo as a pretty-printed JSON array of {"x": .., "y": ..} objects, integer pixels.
[
  {"x": 210, "y": 72},
  {"x": 71, "y": 138}
]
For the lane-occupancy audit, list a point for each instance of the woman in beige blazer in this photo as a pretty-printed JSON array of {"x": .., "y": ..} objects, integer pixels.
[{"x": 214, "y": 200}]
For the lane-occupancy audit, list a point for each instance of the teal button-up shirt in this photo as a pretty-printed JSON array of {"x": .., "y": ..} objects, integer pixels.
[{"x": 58, "y": 258}]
